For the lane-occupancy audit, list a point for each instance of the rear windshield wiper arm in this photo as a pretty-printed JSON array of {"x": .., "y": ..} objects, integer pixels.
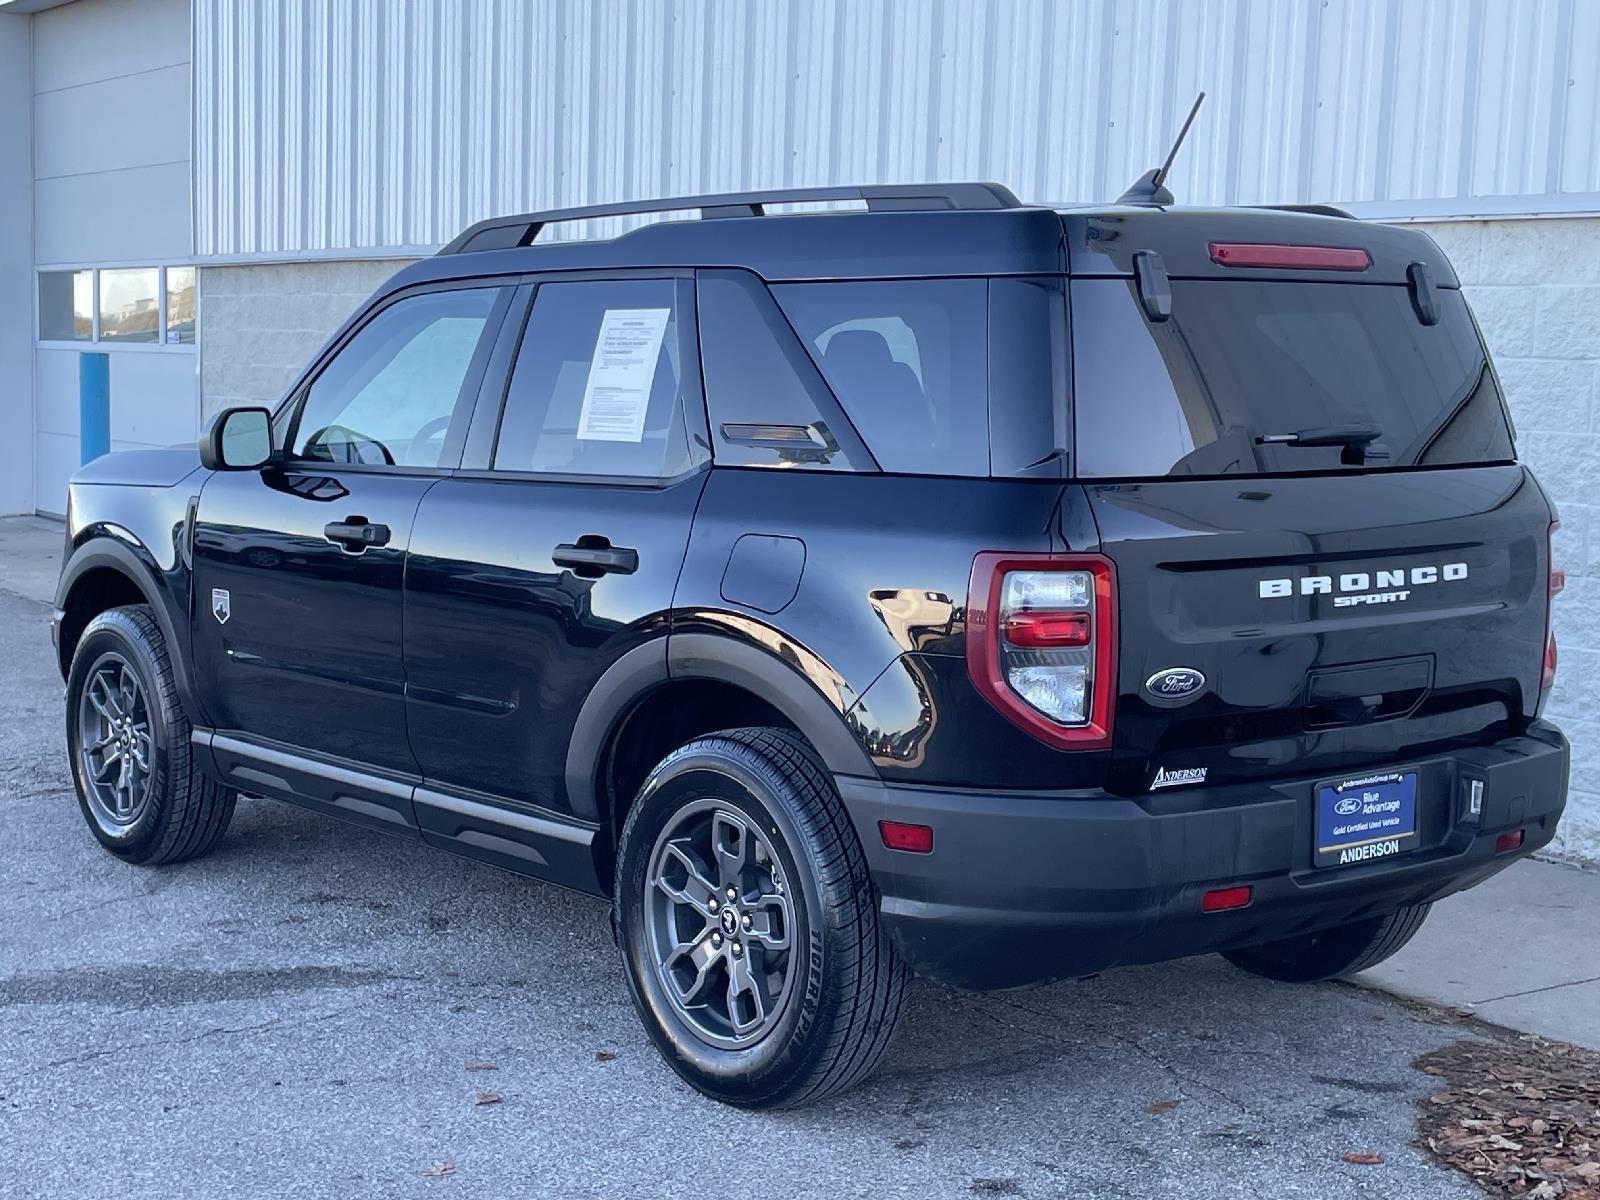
[{"x": 1323, "y": 435}]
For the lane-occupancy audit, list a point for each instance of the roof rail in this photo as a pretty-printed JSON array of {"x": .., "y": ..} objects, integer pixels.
[
  {"x": 1320, "y": 210},
  {"x": 500, "y": 233}
]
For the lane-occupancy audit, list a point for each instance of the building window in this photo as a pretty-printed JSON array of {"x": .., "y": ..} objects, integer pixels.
[
  {"x": 66, "y": 306},
  {"x": 180, "y": 306},
  {"x": 130, "y": 305},
  {"x": 155, "y": 307}
]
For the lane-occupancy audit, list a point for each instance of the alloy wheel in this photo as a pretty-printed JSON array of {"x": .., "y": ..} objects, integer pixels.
[
  {"x": 719, "y": 917},
  {"x": 115, "y": 746}
]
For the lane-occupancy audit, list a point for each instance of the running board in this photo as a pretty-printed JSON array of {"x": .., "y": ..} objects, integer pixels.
[{"x": 494, "y": 829}]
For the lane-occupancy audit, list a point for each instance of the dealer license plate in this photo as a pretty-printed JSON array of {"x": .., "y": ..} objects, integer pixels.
[{"x": 1365, "y": 817}]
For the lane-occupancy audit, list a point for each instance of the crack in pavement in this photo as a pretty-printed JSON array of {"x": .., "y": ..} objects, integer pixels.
[
  {"x": 1553, "y": 987},
  {"x": 1150, "y": 1055},
  {"x": 220, "y": 1031}
]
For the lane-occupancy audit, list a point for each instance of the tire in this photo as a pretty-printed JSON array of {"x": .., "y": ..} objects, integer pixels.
[
  {"x": 168, "y": 811},
  {"x": 1331, "y": 953},
  {"x": 840, "y": 986}
]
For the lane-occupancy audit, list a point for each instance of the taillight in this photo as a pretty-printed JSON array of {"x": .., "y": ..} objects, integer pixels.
[
  {"x": 1041, "y": 643},
  {"x": 1558, "y": 580},
  {"x": 1313, "y": 258}
]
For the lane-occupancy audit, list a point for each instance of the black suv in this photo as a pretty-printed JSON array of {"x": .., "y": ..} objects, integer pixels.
[{"x": 949, "y": 585}]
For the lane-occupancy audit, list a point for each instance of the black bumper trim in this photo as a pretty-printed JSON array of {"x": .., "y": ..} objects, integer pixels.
[{"x": 1024, "y": 888}]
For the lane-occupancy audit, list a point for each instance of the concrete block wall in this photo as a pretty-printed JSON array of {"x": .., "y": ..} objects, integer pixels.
[
  {"x": 261, "y": 324},
  {"x": 1535, "y": 287},
  {"x": 1534, "y": 284}
]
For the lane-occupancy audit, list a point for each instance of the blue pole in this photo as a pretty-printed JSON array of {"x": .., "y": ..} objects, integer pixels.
[{"x": 94, "y": 405}]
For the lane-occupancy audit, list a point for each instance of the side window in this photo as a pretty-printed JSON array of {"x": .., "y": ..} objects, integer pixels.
[
  {"x": 769, "y": 406},
  {"x": 391, "y": 395},
  {"x": 597, "y": 388},
  {"x": 908, "y": 360}
]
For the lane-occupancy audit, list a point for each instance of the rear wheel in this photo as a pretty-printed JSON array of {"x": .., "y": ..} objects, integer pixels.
[
  {"x": 748, "y": 924},
  {"x": 1331, "y": 953},
  {"x": 138, "y": 787}
]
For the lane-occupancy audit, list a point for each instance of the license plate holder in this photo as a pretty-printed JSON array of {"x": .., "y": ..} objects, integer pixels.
[{"x": 1364, "y": 818}]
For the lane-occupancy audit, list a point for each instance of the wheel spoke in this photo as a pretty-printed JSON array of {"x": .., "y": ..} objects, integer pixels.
[
  {"x": 769, "y": 921},
  {"x": 127, "y": 691},
  {"x": 103, "y": 701},
  {"x": 696, "y": 890},
  {"x": 743, "y": 982},
  {"x": 124, "y": 791},
  {"x": 699, "y": 954},
  {"x": 140, "y": 749},
  {"x": 112, "y": 756},
  {"x": 730, "y": 839}
]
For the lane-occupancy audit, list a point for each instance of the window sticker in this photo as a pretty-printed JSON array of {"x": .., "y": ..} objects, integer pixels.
[{"x": 620, "y": 374}]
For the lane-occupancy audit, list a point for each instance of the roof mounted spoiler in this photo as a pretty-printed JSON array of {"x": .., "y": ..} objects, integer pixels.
[
  {"x": 501, "y": 233},
  {"x": 1320, "y": 210}
]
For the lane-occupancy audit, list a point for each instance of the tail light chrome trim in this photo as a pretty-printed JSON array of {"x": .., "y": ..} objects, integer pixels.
[{"x": 986, "y": 646}]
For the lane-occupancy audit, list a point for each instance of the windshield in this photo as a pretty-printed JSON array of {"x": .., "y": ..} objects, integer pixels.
[{"x": 1252, "y": 377}]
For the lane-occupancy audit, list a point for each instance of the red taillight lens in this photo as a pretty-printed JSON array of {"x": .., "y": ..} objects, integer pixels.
[
  {"x": 1041, "y": 643},
  {"x": 1314, "y": 258},
  {"x": 1558, "y": 580},
  {"x": 1037, "y": 629},
  {"x": 901, "y": 835},
  {"x": 1222, "y": 899}
]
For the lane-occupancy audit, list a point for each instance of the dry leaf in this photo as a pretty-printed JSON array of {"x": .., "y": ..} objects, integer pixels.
[
  {"x": 1161, "y": 1106},
  {"x": 1363, "y": 1160},
  {"x": 439, "y": 1170},
  {"x": 486, "y": 1098}
]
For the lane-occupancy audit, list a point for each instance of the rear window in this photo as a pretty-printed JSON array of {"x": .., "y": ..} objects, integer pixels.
[
  {"x": 1241, "y": 361},
  {"x": 908, "y": 362}
]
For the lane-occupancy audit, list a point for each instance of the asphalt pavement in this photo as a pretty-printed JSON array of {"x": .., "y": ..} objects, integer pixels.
[{"x": 302, "y": 1013}]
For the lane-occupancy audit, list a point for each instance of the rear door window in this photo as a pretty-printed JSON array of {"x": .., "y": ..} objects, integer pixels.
[
  {"x": 908, "y": 362},
  {"x": 1242, "y": 367},
  {"x": 598, "y": 385}
]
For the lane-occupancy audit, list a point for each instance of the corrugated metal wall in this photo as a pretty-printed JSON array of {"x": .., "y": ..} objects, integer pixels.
[{"x": 328, "y": 125}]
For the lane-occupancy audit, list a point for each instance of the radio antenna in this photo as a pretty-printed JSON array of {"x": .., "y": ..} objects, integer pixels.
[{"x": 1149, "y": 189}]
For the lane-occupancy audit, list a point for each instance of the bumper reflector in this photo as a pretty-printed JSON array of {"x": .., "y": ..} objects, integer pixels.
[
  {"x": 1507, "y": 842},
  {"x": 1222, "y": 899},
  {"x": 913, "y": 839}
]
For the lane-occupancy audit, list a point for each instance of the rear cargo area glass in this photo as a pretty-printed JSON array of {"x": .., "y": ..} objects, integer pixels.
[{"x": 1242, "y": 360}]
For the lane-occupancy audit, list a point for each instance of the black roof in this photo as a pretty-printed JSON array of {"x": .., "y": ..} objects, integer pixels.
[{"x": 911, "y": 230}]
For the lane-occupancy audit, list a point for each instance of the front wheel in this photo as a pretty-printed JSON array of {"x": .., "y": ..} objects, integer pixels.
[
  {"x": 748, "y": 924},
  {"x": 140, "y": 790},
  {"x": 1331, "y": 953}
]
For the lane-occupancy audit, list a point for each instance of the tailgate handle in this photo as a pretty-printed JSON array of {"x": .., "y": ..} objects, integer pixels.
[{"x": 1361, "y": 694}]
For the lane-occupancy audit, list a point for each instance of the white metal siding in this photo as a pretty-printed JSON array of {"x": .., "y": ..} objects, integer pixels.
[
  {"x": 111, "y": 135},
  {"x": 330, "y": 125}
]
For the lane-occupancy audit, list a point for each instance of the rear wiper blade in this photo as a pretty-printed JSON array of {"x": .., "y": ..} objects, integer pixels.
[{"x": 1323, "y": 435}]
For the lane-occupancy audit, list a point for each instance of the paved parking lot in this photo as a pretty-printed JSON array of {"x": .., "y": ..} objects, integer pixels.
[{"x": 298, "y": 1013}]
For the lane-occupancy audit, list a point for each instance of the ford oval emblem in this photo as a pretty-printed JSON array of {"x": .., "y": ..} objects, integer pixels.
[
  {"x": 1175, "y": 683},
  {"x": 1348, "y": 807}
]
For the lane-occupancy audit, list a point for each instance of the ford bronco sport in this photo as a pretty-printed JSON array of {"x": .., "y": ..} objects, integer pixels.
[{"x": 951, "y": 585}]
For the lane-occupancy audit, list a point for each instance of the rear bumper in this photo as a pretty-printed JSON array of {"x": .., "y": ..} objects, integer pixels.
[{"x": 1023, "y": 888}]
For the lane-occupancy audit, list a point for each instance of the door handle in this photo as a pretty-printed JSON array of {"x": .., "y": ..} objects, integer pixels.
[
  {"x": 356, "y": 533},
  {"x": 592, "y": 557}
]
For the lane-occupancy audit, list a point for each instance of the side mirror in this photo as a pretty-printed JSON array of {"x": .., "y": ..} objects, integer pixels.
[{"x": 238, "y": 439}]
